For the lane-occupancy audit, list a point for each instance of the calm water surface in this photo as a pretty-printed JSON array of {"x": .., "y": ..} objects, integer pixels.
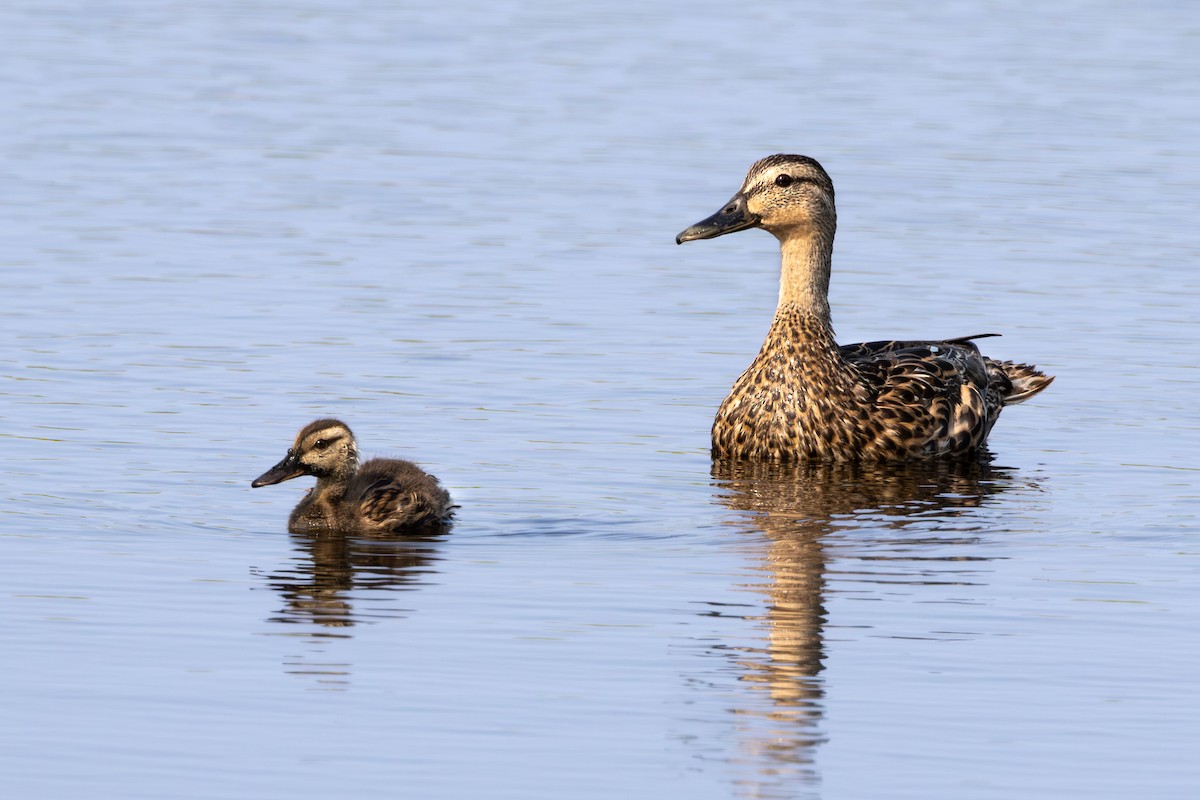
[{"x": 452, "y": 226}]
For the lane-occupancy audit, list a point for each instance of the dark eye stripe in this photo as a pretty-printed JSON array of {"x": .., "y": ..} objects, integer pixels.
[
  {"x": 322, "y": 443},
  {"x": 795, "y": 180}
]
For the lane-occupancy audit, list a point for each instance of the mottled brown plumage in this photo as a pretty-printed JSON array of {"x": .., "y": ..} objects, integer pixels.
[
  {"x": 804, "y": 397},
  {"x": 383, "y": 495}
]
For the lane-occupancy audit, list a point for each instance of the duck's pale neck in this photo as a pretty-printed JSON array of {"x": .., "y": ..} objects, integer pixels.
[{"x": 804, "y": 277}]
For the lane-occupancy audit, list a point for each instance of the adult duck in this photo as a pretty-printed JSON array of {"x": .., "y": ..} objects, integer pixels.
[{"x": 805, "y": 397}]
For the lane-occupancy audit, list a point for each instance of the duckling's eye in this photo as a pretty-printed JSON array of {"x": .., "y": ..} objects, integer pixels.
[
  {"x": 321, "y": 444},
  {"x": 784, "y": 181}
]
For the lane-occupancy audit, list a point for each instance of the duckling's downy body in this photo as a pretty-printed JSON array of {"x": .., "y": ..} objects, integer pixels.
[
  {"x": 807, "y": 398},
  {"x": 383, "y": 495}
]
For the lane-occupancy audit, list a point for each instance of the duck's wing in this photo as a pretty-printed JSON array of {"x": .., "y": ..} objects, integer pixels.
[
  {"x": 866, "y": 349},
  {"x": 929, "y": 398},
  {"x": 398, "y": 496},
  {"x": 1025, "y": 380}
]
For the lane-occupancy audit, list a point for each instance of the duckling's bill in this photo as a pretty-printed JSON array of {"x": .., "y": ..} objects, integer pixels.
[
  {"x": 285, "y": 470},
  {"x": 734, "y": 216}
]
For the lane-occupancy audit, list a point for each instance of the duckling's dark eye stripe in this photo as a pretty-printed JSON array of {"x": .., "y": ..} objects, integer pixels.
[{"x": 325, "y": 441}]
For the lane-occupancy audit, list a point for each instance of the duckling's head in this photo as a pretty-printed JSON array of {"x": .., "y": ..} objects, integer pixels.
[
  {"x": 786, "y": 195},
  {"x": 324, "y": 448}
]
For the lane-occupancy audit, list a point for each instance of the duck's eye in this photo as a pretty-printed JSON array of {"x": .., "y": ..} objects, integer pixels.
[
  {"x": 784, "y": 181},
  {"x": 321, "y": 444}
]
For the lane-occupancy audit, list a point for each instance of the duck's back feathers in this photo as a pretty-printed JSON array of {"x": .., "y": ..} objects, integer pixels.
[
  {"x": 927, "y": 399},
  {"x": 391, "y": 494},
  {"x": 1026, "y": 380},
  {"x": 863, "y": 349},
  {"x": 939, "y": 398}
]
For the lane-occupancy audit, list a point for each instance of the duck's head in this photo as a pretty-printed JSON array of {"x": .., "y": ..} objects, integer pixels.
[
  {"x": 324, "y": 448},
  {"x": 786, "y": 195}
]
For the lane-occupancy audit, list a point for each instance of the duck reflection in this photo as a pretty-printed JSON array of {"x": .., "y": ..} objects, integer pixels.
[
  {"x": 797, "y": 507},
  {"x": 335, "y": 572}
]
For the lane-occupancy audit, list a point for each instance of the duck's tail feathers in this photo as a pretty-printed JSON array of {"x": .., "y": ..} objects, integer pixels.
[{"x": 1026, "y": 379}]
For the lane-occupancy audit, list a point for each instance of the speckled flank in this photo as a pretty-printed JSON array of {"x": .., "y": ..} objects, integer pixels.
[{"x": 806, "y": 398}]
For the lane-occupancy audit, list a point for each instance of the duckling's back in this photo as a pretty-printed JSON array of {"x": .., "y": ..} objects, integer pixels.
[{"x": 391, "y": 495}]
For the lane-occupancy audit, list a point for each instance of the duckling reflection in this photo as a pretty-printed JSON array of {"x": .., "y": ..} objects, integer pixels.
[
  {"x": 796, "y": 507},
  {"x": 335, "y": 571}
]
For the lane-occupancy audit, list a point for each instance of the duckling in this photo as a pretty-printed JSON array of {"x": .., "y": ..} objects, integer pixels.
[
  {"x": 804, "y": 397},
  {"x": 383, "y": 495}
]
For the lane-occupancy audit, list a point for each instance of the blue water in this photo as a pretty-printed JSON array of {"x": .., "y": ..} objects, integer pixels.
[{"x": 452, "y": 227}]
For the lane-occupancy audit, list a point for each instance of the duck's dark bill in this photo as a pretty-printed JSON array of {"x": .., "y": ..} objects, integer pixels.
[
  {"x": 733, "y": 217},
  {"x": 283, "y": 471}
]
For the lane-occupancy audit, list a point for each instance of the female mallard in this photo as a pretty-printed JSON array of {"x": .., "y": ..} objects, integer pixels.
[
  {"x": 384, "y": 495},
  {"x": 804, "y": 397}
]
